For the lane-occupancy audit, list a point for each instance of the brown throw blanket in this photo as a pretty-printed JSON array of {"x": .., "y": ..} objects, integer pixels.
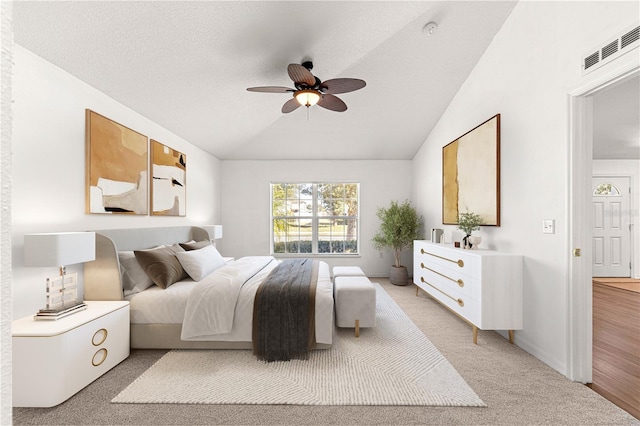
[{"x": 284, "y": 312}]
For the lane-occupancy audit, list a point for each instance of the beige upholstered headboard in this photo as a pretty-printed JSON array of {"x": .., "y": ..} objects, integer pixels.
[{"x": 102, "y": 279}]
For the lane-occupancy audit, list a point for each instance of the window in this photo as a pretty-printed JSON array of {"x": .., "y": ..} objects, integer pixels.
[
  {"x": 606, "y": 189},
  {"x": 314, "y": 218}
]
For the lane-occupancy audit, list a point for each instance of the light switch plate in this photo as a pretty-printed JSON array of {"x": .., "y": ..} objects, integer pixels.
[{"x": 548, "y": 226}]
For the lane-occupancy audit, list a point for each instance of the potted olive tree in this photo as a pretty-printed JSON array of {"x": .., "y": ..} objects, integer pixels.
[
  {"x": 469, "y": 222},
  {"x": 399, "y": 226}
]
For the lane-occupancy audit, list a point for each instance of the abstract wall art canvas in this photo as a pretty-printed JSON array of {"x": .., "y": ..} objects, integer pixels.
[
  {"x": 116, "y": 167},
  {"x": 471, "y": 174},
  {"x": 169, "y": 181}
]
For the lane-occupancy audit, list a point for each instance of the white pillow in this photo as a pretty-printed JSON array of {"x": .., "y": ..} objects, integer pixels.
[
  {"x": 200, "y": 263},
  {"x": 134, "y": 279}
]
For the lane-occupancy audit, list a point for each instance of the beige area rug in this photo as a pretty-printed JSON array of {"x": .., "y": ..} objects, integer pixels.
[{"x": 391, "y": 364}]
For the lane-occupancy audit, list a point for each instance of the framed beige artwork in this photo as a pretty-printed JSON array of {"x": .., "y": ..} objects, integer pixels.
[
  {"x": 116, "y": 177},
  {"x": 471, "y": 174},
  {"x": 168, "y": 181}
]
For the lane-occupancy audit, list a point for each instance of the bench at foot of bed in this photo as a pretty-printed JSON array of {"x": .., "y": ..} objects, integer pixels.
[{"x": 355, "y": 298}]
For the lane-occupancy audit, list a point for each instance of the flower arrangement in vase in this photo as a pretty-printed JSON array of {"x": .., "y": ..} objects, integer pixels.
[{"x": 469, "y": 222}]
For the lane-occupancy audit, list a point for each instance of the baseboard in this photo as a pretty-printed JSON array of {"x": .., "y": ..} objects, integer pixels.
[
  {"x": 535, "y": 351},
  {"x": 521, "y": 342}
]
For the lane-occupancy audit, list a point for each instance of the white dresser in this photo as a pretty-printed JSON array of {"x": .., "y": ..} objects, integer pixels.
[
  {"x": 52, "y": 360},
  {"x": 484, "y": 287}
]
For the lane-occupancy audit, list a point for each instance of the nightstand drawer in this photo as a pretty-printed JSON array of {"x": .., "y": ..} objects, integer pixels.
[
  {"x": 96, "y": 348},
  {"x": 52, "y": 360}
]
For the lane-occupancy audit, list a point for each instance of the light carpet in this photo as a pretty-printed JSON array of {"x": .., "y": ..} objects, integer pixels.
[{"x": 391, "y": 364}]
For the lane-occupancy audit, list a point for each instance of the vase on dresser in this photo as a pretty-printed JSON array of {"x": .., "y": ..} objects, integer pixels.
[
  {"x": 470, "y": 242},
  {"x": 466, "y": 244}
]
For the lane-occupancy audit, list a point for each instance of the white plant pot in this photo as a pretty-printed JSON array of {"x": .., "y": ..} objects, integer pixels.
[{"x": 475, "y": 241}]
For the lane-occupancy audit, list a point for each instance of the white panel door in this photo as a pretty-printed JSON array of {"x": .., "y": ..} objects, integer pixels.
[{"x": 611, "y": 233}]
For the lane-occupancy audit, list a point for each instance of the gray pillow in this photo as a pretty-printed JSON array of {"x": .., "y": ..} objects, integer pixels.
[
  {"x": 161, "y": 265},
  {"x": 195, "y": 245},
  {"x": 134, "y": 278},
  {"x": 176, "y": 248}
]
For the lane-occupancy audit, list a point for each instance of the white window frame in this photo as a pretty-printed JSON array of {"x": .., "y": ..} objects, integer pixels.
[{"x": 314, "y": 220}]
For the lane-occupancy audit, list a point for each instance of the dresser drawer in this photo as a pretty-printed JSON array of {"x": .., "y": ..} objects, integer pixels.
[
  {"x": 457, "y": 261},
  {"x": 467, "y": 308},
  {"x": 456, "y": 283}
]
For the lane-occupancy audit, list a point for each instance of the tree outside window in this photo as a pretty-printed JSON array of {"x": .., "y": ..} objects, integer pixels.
[{"x": 315, "y": 218}]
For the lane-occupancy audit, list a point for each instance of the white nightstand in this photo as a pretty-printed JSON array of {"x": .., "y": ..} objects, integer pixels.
[{"x": 53, "y": 360}]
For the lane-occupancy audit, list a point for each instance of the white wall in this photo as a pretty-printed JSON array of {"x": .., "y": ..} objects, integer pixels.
[
  {"x": 49, "y": 167},
  {"x": 6, "y": 70},
  {"x": 629, "y": 168},
  {"x": 245, "y": 197},
  {"x": 525, "y": 75}
]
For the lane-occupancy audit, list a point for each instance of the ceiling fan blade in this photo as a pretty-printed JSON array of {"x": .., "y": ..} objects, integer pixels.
[
  {"x": 300, "y": 74},
  {"x": 342, "y": 85},
  {"x": 270, "y": 89},
  {"x": 291, "y": 105},
  {"x": 331, "y": 102}
]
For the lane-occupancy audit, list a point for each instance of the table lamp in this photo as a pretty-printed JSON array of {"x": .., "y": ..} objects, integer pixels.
[
  {"x": 59, "y": 249},
  {"x": 215, "y": 232}
]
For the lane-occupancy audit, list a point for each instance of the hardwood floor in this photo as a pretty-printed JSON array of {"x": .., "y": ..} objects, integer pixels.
[{"x": 616, "y": 342}]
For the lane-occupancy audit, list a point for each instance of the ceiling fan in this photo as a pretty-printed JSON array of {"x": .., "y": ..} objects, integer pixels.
[{"x": 309, "y": 90}]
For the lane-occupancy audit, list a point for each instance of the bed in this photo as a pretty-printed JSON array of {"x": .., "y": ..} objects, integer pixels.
[{"x": 157, "y": 315}]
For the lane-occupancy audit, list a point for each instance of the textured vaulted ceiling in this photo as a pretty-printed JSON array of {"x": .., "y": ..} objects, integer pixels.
[{"x": 186, "y": 65}]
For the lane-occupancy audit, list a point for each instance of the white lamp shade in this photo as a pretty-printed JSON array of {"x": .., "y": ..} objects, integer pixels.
[
  {"x": 215, "y": 231},
  {"x": 59, "y": 249},
  {"x": 307, "y": 97}
]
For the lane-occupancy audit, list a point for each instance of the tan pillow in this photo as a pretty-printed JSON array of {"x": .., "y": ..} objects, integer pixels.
[
  {"x": 195, "y": 246},
  {"x": 161, "y": 265}
]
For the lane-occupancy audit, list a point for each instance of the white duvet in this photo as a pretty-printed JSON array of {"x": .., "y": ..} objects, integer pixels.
[
  {"x": 207, "y": 309},
  {"x": 211, "y": 305}
]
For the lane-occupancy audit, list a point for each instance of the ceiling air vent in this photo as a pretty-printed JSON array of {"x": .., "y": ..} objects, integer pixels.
[
  {"x": 630, "y": 37},
  {"x": 623, "y": 43},
  {"x": 591, "y": 60},
  {"x": 609, "y": 49}
]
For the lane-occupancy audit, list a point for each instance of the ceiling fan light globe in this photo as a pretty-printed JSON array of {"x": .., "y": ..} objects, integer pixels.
[{"x": 307, "y": 97}]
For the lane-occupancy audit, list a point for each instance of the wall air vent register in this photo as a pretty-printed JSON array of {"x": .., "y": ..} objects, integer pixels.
[{"x": 623, "y": 43}]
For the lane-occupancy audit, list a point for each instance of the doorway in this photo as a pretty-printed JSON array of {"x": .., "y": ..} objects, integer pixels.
[{"x": 579, "y": 241}]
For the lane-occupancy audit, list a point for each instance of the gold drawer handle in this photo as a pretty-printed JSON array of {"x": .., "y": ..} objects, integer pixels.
[
  {"x": 459, "y": 301},
  {"x": 99, "y": 337},
  {"x": 458, "y": 262},
  {"x": 458, "y": 281},
  {"x": 99, "y": 357}
]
